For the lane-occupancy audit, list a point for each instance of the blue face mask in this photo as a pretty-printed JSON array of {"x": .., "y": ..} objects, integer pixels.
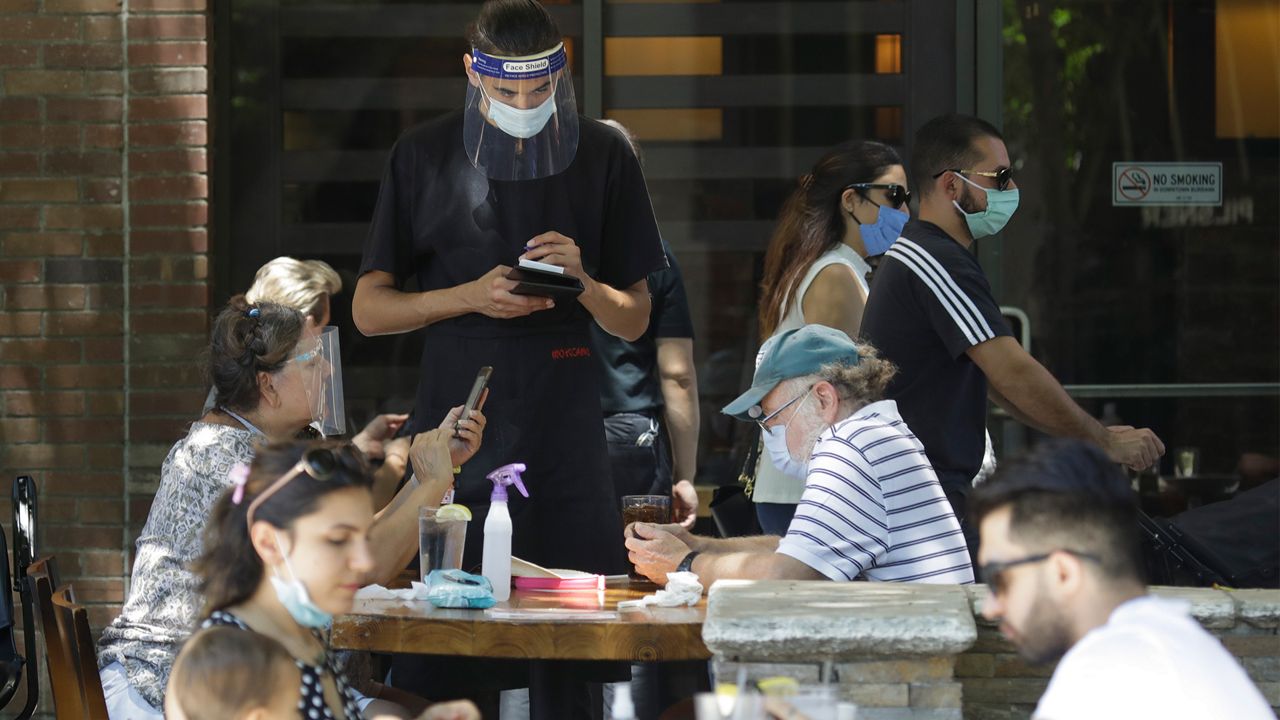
[
  {"x": 1001, "y": 204},
  {"x": 294, "y": 597},
  {"x": 878, "y": 236}
]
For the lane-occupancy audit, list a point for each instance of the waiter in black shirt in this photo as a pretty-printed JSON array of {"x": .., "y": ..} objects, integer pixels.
[{"x": 517, "y": 174}]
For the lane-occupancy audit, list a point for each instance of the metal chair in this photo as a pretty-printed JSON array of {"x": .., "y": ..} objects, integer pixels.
[
  {"x": 73, "y": 628},
  {"x": 24, "y": 552}
]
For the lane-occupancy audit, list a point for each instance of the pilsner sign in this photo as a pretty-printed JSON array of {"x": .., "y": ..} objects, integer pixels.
[{"x": 1168, "y": 184}]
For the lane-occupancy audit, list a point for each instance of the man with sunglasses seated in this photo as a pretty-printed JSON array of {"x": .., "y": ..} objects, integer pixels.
[
  {"x": 1063, "y": 569},
  {"x": 931, "y": 313},
  {"x": 872, "y": 508}
]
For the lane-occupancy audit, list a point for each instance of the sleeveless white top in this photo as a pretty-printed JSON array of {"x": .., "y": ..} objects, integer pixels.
[{"x": 771, "y": 485}]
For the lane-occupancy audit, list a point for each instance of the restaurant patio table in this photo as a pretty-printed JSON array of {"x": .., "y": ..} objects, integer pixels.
[{"x": 533, "y": 625}]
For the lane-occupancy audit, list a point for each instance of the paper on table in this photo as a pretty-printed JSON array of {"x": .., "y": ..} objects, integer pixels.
[
  {"x": 524, "y": 568},
  {"x": 416, "y": 591},
  {"x": 549, "y": 614},
  {"x": 683, "y": 588}
]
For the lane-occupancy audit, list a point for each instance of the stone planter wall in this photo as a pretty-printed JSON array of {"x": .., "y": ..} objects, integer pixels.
[{"x": 924, "y": 652}]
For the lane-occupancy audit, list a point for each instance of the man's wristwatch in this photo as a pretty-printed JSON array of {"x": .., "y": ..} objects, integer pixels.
[{"x": 686, "y": 565}]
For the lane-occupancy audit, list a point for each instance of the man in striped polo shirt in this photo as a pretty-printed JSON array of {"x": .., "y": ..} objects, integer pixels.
[
  {"x": 931, "y": 313},
  {"x": 872, "y": 508}
]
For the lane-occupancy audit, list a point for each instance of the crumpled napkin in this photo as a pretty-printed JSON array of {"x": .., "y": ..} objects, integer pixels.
[
  {"x": 416, "y": 591},
  {"x": 683, "y": 588}
]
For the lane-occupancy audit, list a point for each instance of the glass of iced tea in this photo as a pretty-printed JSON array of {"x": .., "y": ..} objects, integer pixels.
[{"x": 654, "y": 509}]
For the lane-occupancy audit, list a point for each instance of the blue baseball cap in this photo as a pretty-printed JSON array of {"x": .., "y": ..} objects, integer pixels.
[{"x": 792, "y": 354}]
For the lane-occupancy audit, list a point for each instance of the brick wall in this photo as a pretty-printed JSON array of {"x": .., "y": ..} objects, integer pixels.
[{"x": 103, "y": 265}]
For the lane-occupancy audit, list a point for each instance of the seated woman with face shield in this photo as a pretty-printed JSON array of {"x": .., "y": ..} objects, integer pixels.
[
  {"x": 286, "y": 549},
  {"x": 272, "y": 380}
]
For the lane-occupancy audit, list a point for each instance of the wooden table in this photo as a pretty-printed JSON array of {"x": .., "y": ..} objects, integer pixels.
[{"x": 552, "y": 625}]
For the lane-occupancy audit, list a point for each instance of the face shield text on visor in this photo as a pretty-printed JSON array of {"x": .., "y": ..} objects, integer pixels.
[
  {"x": 319, "y": 368},
  {"x": 521, "y": 123}
]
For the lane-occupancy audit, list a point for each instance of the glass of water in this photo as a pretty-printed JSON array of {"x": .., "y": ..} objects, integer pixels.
[{"x": 440, "y": 542}]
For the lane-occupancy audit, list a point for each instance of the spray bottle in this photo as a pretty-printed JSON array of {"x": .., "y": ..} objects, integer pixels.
[{"x": 497, "y": 530}]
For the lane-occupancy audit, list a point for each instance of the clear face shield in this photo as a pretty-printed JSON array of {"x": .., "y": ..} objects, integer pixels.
[
  {"x": 521, "y": 119},
  {"x": 319, "y": 367}
]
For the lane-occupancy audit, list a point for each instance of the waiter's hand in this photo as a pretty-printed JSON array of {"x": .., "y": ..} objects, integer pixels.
[
  {"x": 465, "y": 436},
  {"x": 554, "y": 248},
  {"x": 491, "y": 296},
  {"x": 1136, "y": 448},
  {"x": 684, "y": 503}
]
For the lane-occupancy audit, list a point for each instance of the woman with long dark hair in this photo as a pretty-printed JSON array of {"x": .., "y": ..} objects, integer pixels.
[
  {"x": 286, "y": 549},
  {"x": 850, "y": 207}
]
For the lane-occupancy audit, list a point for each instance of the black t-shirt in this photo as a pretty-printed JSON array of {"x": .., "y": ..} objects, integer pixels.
[
  {"x": 443, "y": 220},
  {"x": 629, "y": 370},
  {"x": 929, "y": 303}
]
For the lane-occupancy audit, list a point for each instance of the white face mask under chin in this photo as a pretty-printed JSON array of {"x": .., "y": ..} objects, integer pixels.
[{"x": 517, "y": 122}]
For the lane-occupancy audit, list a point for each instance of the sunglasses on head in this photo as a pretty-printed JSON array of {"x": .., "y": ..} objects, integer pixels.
[
  {"x": 321, "y": 464},
  {"x": 898, "y": 195},
  {"x": 1003, "y": 176}
]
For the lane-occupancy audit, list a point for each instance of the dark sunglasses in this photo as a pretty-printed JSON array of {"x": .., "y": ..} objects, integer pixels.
[
  {"x": 898, "y": 195},
  {"x": 993, "y": 573},
  {"x": 1003, "y": 176},
  {"x": 319, "y": 463}
]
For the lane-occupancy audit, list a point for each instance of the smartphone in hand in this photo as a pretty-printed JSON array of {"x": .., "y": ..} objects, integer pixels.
[{"x": 477, "y": 391}]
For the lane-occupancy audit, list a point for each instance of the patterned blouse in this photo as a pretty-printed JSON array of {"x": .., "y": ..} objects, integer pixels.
[
  {"x": 163, "y": 603},
  {"x": 311, "y": 704}
]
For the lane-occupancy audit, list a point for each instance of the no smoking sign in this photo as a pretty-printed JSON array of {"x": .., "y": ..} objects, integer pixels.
[{"x": 1170, "y": 184}]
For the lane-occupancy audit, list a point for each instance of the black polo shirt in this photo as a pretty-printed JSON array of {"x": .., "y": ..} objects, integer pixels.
[
  {"x": 629, "y": 380},
  {"x": 929, "y": 303}
]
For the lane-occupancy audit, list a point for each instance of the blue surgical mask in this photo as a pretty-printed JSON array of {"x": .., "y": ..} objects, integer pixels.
[
  {"x": 521, "y": 123},
  {"x": 775, "y": 443},
  {"x": 878, "y": 236},
  {"x": 1001, "y": 204},
  {"x": 294, "y": 597}
]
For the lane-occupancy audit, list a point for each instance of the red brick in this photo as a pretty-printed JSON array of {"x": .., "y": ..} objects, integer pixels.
[
  {"x": 42, "y": 244},
  {"x": 104, "y": 246},
  {"x": 43, "y": 403},
  {"x": 83, "y": 109},
  {"x": 157, "y": 430},
  {"x": 82, "y": 430},
  {"x": 142, "y": 404},
  {"x": 169, "y": 54},
  {"x": 84, "y": 376},
  {"x": 19, "y": 377},
  {"x": 93, "y": 564},
  {"x": 182, "y": 187},
  {"x": 169, "y": 215},
  {"x": 57, "y": 510},
  {"x": 170, "y": 241},
  {"x": 193, "y": 160},
  {"x": 105, "y": 455},
  {"x": 51, "y": 297},
  {"x": 103, "y": 29},
  {"x": 18, "y": 56},
  {"x": 89, "y": 323},
  {"x": 97, "y": 55},
  {"x": 100, "y": 512},
  {"x": 19, "y": 109},
  {"x": 77, "y": 538},
  {"x": 81, "y": 6},
  {"x": 162, "y": 134},
  {"x": 42, "y": 82},
  {"x": 19, "y": 324},
  {"x": 104, "y": 350},
  {"x": 39, "y": 136},
  {"x": 87, "y": 216},
  {"x": 172, "y": 268},
  {"x": 18, "y": 218},
  {"x": 170, "y": 349},
  {"x": 84, "y": 164},
  {"x": 39, "y": 351},
  {"x": 104, "y": 82},
  {"x": 161, "y": 376},
  {"x": 169, "y": 107},
  {"x": 88, "y": 483},
  {"x": 169, "y": 296},
  {"x": 19, "y": 163},
  {"x": 169, "y": 80},
  {"x": 167, "y": 26},
  {"x": 103, "y": 136},
  {"x": 34, "y": 28},
  {"x": 19, "y": 431},
  {"x": 30, "y": 191},
  {"x": 167, "y": 322},
  {"x": 106, "y": 191},
  {"x": 18, "y": 6},
  {"x": 23, "y": 271},
  {"x": 32, "y": 456},
  {"x": 106, "y": 403},
  {"x": 167, "y": 5}
]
